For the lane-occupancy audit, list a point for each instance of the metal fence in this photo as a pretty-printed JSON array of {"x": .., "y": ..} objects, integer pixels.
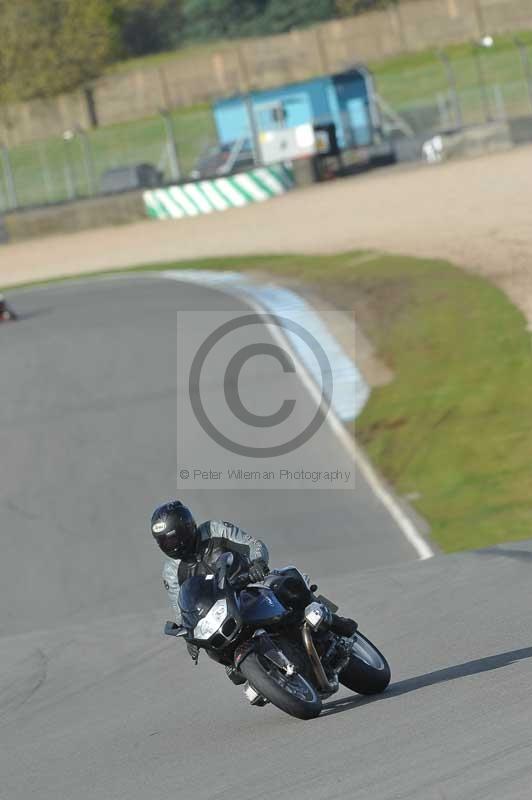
[
  {"x": 481, "y": 87},
  {"x": 483, "y": 84},
  {"x": 453, "y": 109},
  {"x": 72, "y": 166}
]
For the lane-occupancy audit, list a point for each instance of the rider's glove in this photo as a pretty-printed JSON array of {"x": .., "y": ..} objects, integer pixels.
[
  {"x": 258, "y": 570},
  {"x": 193, "y": 651}
]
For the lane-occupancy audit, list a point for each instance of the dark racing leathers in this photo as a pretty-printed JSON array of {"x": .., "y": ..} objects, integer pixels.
[{"x": 215, "y": 538}]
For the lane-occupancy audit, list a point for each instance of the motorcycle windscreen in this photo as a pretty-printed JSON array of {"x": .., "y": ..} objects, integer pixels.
[
  {"x": 196, "y": 598},
  {"x": 260, "y": 606}
]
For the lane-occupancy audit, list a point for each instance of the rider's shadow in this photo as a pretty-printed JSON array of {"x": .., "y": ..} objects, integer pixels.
[{"x": 431, "y": 679}]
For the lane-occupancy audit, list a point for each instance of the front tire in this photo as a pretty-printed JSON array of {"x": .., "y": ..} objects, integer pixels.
[
  {"x": 367, "y": 671},
  {"x": 294, "y": 694}
]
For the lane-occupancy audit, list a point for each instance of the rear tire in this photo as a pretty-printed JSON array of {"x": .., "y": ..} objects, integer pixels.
[
  {"x": 367, "y": 671},
  {"x": 265, "y": 677}
]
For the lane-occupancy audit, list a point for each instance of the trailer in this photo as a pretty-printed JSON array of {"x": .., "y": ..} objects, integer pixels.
[{"x": 326, "y": 115}]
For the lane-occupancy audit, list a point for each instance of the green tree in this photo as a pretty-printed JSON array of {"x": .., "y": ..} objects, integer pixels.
[
  {"x": 210, "y": 19},
  {"x": 218, "y": 19},
  {"x": 283, "y": 15},
  {"x": 346, "y": 8},
  {"x": 10, "y": 50},
  {"x": 147, "y": 26},
  {"x": 54, "y": 46}
]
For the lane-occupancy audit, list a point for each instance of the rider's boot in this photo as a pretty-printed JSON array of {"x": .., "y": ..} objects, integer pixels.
[
  {"x": 321, "y": 618},
  {"x": 343, "y": 626}
]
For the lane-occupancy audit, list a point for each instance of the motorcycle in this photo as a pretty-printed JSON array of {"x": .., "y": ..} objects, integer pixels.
[{"x": 274, "y": 638}]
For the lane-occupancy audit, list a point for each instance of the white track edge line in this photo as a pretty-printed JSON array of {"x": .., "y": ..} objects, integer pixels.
[
  {"x": 407, "y": 527},
  {"x": 410, "y": 532}
]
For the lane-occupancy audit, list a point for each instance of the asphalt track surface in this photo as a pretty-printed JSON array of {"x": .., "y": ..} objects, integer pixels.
[{"x": 95, "y": 703}]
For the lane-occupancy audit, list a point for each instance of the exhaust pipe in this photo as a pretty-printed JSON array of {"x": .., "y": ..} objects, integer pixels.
[{"x": 323, "y": 682}]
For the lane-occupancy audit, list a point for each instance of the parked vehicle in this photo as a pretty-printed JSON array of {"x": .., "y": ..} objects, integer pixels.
[
  {"x": 220, "y": 160},
  {"x": 129, "y": 177}
]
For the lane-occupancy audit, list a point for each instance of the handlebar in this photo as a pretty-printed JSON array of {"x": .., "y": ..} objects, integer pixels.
[
  {"x": 173, "y": 629},
  {"x": 239, "y": 581}
]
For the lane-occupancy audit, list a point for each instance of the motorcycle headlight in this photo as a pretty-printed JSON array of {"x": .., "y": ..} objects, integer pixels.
[{"x": 212, "y": 621}]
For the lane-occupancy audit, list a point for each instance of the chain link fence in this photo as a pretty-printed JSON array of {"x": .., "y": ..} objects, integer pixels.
[
  {"x": 454, "y": 109},
  {"x": 482, "y": 85},
  {"x": 75, "y": 165}
]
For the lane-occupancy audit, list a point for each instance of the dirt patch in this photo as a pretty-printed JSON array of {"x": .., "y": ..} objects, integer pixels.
[
  {"x": 477, "y": 214},
  {"x": 376, "y": 306}
]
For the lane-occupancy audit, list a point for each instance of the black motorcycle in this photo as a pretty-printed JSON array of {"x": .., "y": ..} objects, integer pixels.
[{"x": 274, "y": 638}]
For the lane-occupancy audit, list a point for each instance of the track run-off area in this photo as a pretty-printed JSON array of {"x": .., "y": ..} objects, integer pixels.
[
  {"x": 474, "y": 213},
  {"x": 96, "y": 703}
]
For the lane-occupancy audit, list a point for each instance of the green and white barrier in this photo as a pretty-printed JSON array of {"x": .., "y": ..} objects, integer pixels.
[{"x": 218, "y": 194}]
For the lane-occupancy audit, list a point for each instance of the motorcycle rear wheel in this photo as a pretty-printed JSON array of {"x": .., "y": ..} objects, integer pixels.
[
  {"x": 293, "y": 694},
  {"x": 367, "y": 671}
]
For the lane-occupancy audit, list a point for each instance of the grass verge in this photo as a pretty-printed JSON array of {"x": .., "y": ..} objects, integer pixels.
[{"x": 453, "y": 431}]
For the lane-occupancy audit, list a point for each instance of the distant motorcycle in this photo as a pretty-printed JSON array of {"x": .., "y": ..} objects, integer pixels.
[
  {"x": 6, "y": 313},
  {"x": 274, "y": 638}
]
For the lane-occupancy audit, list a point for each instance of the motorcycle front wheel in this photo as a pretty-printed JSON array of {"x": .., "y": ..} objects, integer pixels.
[
  {"x": 293, "y": 694},
  {"x": 367, "y": 671}
]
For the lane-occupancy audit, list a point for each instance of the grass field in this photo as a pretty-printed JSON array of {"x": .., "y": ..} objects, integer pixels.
[
  {"x": 415, "y": 86},
  {"x": 453, "y": 431}
]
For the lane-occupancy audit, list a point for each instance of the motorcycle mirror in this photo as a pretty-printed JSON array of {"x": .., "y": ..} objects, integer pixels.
[
  {"x": 172, "y": 629},
  {"x": 224, "y": 562}
]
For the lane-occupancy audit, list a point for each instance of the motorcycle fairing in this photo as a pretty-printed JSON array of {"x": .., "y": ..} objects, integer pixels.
[
  {"x": 196, "y": 597},
  {"x": 259, "y": 605}
]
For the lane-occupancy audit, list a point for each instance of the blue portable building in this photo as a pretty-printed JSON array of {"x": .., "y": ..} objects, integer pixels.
[{"x": 345, "y": 99}]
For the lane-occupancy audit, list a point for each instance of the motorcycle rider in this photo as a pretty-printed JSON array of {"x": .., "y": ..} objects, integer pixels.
[{"x": 192, "y": 549}]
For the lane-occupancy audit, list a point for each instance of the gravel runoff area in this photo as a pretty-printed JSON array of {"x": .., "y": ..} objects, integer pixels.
[{"x": 476, "y": 213}]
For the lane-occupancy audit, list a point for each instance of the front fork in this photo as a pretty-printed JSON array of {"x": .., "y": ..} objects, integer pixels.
[{"x": 262, "y": 643}]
